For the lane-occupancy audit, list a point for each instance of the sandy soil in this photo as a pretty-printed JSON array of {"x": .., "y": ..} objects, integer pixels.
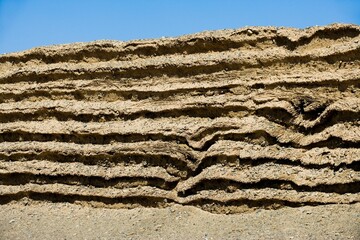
[{"x": 68, "y": 221}]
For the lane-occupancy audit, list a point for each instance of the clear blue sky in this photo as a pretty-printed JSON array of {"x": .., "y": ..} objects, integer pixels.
[{"x": 29, "y": 23}]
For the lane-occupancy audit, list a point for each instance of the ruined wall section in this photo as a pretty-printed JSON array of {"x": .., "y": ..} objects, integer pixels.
[{"x": 228, "y": 121}]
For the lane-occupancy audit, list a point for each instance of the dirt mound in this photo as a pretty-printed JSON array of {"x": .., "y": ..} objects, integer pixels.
[{"x": 228, "y": 121}]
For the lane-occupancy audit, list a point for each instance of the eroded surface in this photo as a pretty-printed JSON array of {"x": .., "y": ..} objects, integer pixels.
[{"x": 228, "y": 121}]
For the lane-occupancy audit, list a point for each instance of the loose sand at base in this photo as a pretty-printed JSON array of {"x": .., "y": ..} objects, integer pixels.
[{"x": 69, "y": 221}]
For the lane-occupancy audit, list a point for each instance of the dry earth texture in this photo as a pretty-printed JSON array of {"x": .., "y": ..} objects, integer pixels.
[{"x": 227, "y": 121}]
